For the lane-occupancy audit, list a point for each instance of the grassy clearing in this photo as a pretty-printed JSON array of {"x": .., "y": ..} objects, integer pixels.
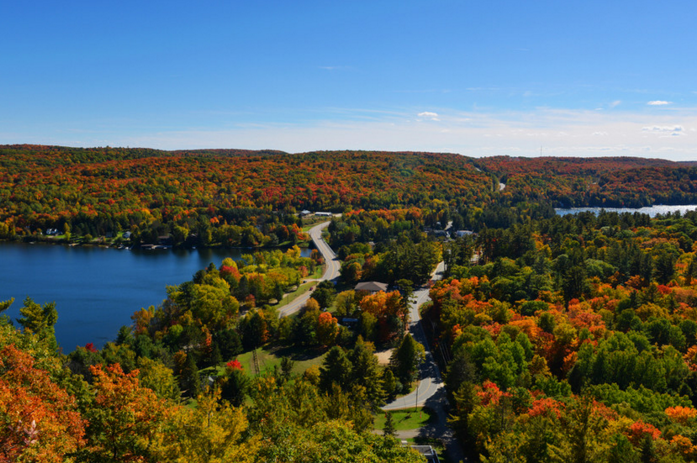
[
  {"x": 317, "y": 274},
  {"x": 269, "y": 357},
  {"x": 405, "y": 420},
  {"x": 302, "y": 289}
]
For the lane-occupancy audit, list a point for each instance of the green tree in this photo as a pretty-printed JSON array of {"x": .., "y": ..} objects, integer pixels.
[
  {"x": 287, "y": 365},
  {"x": 623, "y": 451},
  {"x": 40, "y": 320},
  {"x": 235, "y": 386},
  {"x": 4, "y": 305},
  {"x": 325, "y": 294},
  {"x": 389, "y": 430},
  {"x": 389, "y": 383},
  {"x": 691, "y": 271},
  {"x": 366, "y": 371},
  {"x": 189, "y": 380},
  {"x": 406, "y": 359},
  {"x": 336, "y": 368},
  {"x": 156, "y": 376}
]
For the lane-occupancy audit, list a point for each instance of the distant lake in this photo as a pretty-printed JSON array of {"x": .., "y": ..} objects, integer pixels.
[
  {"x": 653, "y": 211},
  {"x": 96, "y": 290}
]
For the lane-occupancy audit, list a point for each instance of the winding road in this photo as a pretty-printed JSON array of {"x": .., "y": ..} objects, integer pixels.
[
  {"x": 430, "y": 390},
  {"x": 331, "y": 271}
]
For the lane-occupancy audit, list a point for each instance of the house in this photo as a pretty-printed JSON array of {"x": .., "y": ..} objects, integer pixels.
[
  {"x": 323, "y": 214},
  {"x": 127, "y": 235},
  {"x": 461, "y": 233},
  {"x": 349, "y": 322},
  {"x": 428, "y": 452},
  {"x": 304, "y": 213},
  {"x": 371, "y": 286}
]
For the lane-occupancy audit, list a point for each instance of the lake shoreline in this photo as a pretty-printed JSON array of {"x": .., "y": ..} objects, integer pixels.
[
  {"x": 96, "y": 291},
  {"x": 652, "y": 211}
]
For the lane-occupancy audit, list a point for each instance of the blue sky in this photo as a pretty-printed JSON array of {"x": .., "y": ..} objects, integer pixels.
[{"x": 477, "y": 78}]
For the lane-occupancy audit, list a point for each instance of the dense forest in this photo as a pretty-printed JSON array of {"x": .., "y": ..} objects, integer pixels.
[
  {"x": 561, "y": 338},
  {"x": 250, "y": 198},
  {"x": 573, "y": 339}
]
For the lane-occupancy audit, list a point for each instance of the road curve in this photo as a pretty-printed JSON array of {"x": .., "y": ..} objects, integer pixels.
[{"x": 331, "y": 271}]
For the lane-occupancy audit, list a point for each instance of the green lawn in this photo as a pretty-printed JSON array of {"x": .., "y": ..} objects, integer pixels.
[
  {"x": 405, "y": 420},
  {"x": 268, "y": 357},
  {"x": 302, "y": 289}
]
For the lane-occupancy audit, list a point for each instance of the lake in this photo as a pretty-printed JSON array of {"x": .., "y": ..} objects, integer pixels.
[
  {"x": 653, "y": 211},
  {"x": 96, "y": 290}
]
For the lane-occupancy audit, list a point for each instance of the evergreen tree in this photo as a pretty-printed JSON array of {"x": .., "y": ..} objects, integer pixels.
[
  {"x": 366, "y": 372},
  {"x": 234, "y": 386},
  {"x": 189, "y": 380},
  {"x": 40, "y": 320},
  {"x": 336, "y": 368},
  {"x": 407, "y": 358},
  {"x": 389, "y": 430}
]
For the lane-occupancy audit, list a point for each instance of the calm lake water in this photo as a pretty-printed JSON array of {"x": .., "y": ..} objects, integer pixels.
[
  {"x": 96, "y": 290},
  {"x": 653, "y": 211}
]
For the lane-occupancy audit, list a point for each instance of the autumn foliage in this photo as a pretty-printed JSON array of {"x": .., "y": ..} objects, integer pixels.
[{"x": 40, "y": 420}]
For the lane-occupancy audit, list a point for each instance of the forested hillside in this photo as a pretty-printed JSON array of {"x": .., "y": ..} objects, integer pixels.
[
  {"x": 609, "y": 182},
  {"x": 248, "y": 198},
  {"x": 152, "y": 193}
]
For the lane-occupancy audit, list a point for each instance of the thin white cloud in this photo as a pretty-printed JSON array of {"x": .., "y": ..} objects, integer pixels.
[
  {"x": 429, "y": 115},
  {"x": 482, "y": 132},
  {"x": 658, "y": 103},
  {"x": 561, "y": 132},
  {"x": 663, "y": 129},
  {"x": 614, "y": 104}
]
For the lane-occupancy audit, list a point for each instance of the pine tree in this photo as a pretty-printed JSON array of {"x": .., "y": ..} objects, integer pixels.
[
  {"x": 189, "y": 379},
  {"x": 389, "y": 429}
]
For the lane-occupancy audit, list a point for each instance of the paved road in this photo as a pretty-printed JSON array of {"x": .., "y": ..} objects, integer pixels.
[
  {"x": 431, "y": 381},
  {"x": 430, "y": 391},
  {"x": 331, "y": 271}
]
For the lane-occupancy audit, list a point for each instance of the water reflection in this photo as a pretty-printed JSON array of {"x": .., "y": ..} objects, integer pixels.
[{"x": 652, "y": 211}]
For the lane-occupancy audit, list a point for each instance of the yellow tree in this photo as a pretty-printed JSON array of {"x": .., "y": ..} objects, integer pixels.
[
  {"x": 125, "y": 417},
  {"x": 213, "y": 432}
]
